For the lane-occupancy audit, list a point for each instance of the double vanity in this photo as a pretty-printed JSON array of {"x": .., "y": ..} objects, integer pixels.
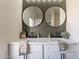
[
  {"x": 43, "y": 49},
  {"x": 46, "y": 48}
]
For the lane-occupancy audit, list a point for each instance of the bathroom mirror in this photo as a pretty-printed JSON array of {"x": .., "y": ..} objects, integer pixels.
[
  {"x": 55, "y": 16},
  {"x": 32, "y": 16}
]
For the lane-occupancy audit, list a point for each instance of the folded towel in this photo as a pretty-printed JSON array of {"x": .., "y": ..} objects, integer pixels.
[{"x": 23, "y": 47}]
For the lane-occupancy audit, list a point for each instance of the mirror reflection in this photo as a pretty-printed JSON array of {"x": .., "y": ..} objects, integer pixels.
[
  {"x": 32, "y": 16},
  {"x": 55, "y": 16}
]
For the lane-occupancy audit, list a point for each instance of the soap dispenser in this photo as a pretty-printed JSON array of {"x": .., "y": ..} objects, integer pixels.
[
  {"x": 49, "y": 35},
  {"x": 38, "y": 35}
]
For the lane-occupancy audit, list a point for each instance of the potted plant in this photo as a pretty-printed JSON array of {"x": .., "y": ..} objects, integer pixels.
[{"x": 65, "y": 35}]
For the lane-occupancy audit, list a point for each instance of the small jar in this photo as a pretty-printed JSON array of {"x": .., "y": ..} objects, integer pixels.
[{"x": 22, "y": 35}]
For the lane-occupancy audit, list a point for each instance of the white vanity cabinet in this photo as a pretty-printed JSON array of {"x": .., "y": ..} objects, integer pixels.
[
  {"x": 43, "y": 51},
  {"x": 51, "y": 51},
  {"x": 35, "y": 51}
]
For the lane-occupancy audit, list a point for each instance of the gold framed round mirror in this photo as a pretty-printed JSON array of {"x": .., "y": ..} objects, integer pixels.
[
  {"x": 32, "y": 16},
  {"x": 55, "y": 16}
]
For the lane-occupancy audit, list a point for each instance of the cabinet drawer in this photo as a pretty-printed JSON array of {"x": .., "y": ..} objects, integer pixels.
[
  {"x": 16, "y": 57},
  {"x": 72, "y": 55},
  {"x": 73, "y": 48},
  {"x": 51, "y": 48},
  {"x": 35, "y": 48},
  {"x": 34, "y": 56},
  {"x": 14, "y": 48},
  {"x": 52, "y": 56}
]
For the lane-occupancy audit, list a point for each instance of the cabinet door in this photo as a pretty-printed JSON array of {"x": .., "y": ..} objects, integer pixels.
[
  {"x": 14, "y": 52},
  {"x": 16, "y": 57},
  {"x": 51, "y": 48},
  {"x": 52, "y": 56},
  {"x": 33, "y": 48},
  {"x": 34, "y": 56},
  {"x": 71, "y": 55}
]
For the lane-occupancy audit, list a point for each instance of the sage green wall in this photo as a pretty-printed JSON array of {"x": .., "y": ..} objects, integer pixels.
[{"x": 44, "y": 29}]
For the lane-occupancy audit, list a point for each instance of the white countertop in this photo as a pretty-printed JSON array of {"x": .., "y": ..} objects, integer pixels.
[
  {"x": 49, "y": 41},
  {"x": 45, "y": 41}
]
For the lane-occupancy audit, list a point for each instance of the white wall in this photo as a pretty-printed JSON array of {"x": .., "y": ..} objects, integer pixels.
[
  {"x": 10, "y": 24},
  {"x": 73, "y": 19}
]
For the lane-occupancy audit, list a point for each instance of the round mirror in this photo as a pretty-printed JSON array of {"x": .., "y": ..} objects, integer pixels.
[
  {"x": 32, "y": 16},
  {"x": 55, "y": 16}
]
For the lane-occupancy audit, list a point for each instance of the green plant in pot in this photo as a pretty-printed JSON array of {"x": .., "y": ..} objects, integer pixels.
[{"x": 65, "y": 35}]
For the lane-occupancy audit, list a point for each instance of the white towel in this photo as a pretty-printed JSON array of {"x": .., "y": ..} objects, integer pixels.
[{"x": 23, "y": 47}]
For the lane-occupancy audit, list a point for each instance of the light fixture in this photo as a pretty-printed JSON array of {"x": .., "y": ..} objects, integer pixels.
[
  {"x": 44, "y": 1},
  {"x": 49, "y": 1},
  {"x": 28, "y": 0},
  {"x": 33, "y": 1},
  {"x": 59, "y": 0},
  {"x": 54, "y": 0},
  {"x": 38, "y": 0}
]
